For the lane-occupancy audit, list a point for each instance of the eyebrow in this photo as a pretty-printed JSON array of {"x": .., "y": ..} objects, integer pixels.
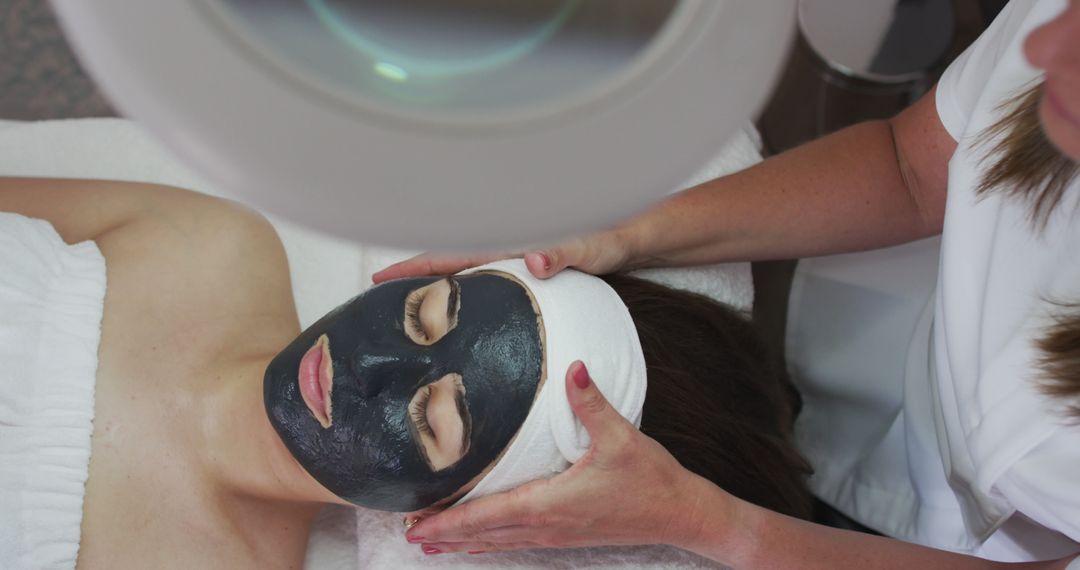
[{"x": 466, "y": 420}]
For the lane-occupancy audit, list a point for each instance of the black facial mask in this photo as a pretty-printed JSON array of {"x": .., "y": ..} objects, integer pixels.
[{"x": 369, "y": 456}]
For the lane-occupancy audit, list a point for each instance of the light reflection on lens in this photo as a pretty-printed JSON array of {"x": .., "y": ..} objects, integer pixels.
[{"x": 391, "y": 71}]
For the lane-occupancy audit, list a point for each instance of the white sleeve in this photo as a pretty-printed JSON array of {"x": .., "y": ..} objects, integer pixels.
[
  {"x": 1044, "y": 484},
  {"x": 963, "y": 82}
]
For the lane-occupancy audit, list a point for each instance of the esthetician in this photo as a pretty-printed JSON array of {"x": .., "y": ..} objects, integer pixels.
[{"x": 971, "y": 453}]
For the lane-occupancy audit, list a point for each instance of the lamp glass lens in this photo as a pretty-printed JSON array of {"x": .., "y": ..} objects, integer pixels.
[{"x": 449, "y": 56}]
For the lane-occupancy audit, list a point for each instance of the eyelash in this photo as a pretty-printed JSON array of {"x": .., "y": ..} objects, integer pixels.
[
  {"x": 412, "y": 315},
  {"x": 419, "y": 413}
]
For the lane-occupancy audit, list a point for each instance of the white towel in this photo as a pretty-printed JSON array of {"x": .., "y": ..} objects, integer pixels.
[{"x": 51, "y": 300}]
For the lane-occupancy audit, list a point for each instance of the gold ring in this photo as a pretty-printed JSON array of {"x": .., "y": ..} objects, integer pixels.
[{"x": 410, "y": 523}]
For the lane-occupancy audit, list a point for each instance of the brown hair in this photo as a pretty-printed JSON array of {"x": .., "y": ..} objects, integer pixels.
[
  {"x": 1027, "y": 166},
  {"x": 718, "y": 398}
]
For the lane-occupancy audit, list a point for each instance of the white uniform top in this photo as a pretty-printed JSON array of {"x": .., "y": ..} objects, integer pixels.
[{"x": 924, "y": 419}]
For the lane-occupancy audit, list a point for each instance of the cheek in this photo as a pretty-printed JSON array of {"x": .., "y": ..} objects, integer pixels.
[{"x": 1063, "y": 132}]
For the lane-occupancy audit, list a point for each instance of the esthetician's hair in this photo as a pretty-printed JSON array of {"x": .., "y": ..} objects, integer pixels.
[
  {"x": 1025, "y": 165},
  {"x": 1022, "y": 162},
  {"x": 718, "y": 398}
]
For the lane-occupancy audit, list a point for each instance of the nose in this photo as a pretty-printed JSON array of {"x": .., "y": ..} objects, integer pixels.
[
  {"x": 377, "y": 370},
  {"x": 1057, "y": 42}
]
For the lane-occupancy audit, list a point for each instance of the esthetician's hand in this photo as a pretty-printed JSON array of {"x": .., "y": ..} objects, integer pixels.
[
  {"x": 627, "y": 489},
  {"x": 598, "y": 254}
]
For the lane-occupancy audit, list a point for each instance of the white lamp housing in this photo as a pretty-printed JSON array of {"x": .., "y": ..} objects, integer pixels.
[{"x": 438, "y": 124}]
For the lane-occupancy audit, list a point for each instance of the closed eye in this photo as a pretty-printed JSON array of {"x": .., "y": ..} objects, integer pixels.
[
  {"x": 440, "y": 421},
  {"x": 432, "y": 311}
]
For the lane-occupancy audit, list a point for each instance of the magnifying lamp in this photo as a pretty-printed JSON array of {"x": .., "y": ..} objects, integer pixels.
[{"x": 438, "y": 124}]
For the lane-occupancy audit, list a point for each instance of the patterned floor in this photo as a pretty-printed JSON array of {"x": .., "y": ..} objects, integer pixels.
[{"x": 39, "y": 76}]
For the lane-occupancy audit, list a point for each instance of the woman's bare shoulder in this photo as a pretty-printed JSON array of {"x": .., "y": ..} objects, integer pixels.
[
  {"x": 85, "y": 209},
  {"x": 176, "y": 258}
]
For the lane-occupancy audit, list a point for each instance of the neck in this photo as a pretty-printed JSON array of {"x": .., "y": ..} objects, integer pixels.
[{"x": 242, "y": 452}]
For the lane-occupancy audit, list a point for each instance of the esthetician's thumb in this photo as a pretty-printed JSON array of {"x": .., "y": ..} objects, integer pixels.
[
  {"x": 605, "y": 426},
  {"x": 597, "y": 254}
]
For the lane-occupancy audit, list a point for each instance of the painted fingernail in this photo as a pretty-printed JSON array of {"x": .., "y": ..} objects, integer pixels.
[
  {"x": 414, "y": 539},
  {"x": 430, "y": 550},
  {"x": 545, "y": 261},
  {"x": 581, "y": 376},
  {"x": 477, "y": 552}
]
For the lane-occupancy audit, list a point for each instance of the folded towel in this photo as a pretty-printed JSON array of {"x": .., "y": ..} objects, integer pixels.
[
  {"x": 51, "y": 297},
  {"x": 383, "y": 546}
]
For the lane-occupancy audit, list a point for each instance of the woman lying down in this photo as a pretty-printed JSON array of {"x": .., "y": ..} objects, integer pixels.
[{"x": 174, "y": 415}]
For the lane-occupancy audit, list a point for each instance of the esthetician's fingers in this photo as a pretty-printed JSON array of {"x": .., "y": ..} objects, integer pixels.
[
  {"x": 465, "y": 523},
  {"x": 475, "y": 547},
  {"x": 589, "y": 504},
  {"x": 435, "y": 264},
  {"x": 599, "y": 254},
  {"x": 607, "y": 429},
  {"x": 477, "y": 520}
]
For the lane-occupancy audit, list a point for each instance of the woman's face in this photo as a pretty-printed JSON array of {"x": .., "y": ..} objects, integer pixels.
[
  {"x": 1055, "y": 48},
  {"x": 402, "y": 396}
]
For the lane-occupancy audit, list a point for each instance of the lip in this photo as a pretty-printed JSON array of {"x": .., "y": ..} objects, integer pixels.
[
  {"x": 316, "y": 379},
  {"x": 1058, "y": 108}
]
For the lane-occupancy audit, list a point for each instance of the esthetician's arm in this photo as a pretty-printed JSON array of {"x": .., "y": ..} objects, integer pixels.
[
  {"x": 589, "y": 505},
  {"x": 871, "y": 185}
]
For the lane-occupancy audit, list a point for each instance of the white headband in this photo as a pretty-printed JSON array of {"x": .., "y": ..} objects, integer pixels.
[{"x": 584, "y": 319}]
